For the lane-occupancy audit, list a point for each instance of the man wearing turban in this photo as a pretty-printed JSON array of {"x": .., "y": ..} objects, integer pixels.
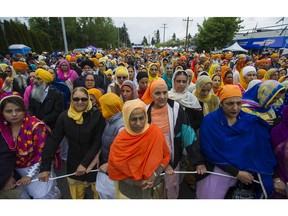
[
  {"x": 21, "y": 79},
  {"x": 46, "y": 102},
  {"x": 275, "y": 61}
]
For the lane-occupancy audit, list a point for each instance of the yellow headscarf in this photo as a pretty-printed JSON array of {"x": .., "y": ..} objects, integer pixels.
[
  {"x": 201, "y": 81},
  {"x": 121, "y": 70},
  {"x": 109, "y": 71},
  {"x": 96, "y": 92},
  {"x": 3, "y": 67},
  {"x": 75, "y": 115},
  {"x": 128, "y": 107},
  {"x": 211, "y": 71},
  {"x": 150, "y": 78},
  {"x": 282, "y": 78},
  {"x": 269, "y": 73},
  {"x": 110, "y": 104}
]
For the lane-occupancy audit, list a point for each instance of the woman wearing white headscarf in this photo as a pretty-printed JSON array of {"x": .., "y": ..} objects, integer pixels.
[{"x": 188, "y": 101}]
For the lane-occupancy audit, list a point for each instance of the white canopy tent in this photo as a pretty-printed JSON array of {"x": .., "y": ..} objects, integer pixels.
[{"x": 235, "y": 48}]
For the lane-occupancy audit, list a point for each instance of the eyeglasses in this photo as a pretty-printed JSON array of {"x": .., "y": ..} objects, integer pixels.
[
  {"x": 89, "y": 80},
  {"x": 121, "y": 77},
  {"x": 77, "y": 99}
]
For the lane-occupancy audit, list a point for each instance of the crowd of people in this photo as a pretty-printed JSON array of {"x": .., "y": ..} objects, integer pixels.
[{"x": 127, "y": 122}]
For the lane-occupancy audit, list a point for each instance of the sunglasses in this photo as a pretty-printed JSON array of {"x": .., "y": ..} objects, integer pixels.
[
  {"x": 77, "y": 99},
  {"x": 121, "y": 77}
]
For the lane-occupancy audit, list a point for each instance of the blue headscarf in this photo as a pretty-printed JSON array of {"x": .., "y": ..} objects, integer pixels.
[
  {"x": 245, "y": 145},
  {"x": 62, "y": 87},
  {"x": 167, "y": 80},
  {"x": 260, "y": 96}
]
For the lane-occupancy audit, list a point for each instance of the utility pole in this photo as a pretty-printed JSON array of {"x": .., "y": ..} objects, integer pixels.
[
  {"x": 64, "y": 35},
  {"x": 187, "y": 25},
  {"x": 164, "y": 32},
  {"x": 148, "y": 39}
]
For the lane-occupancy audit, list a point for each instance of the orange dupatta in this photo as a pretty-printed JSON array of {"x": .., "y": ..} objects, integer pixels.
[{"x": 137, "y": 157}]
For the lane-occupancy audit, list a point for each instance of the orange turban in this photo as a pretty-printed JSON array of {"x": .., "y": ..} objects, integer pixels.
[
  {"x": 147, "y": 97},
  {"x": 20, "y": 66},
  {"x": 229, "y": 55},
  {"x": 260, "y": 62},
  {"x": 99, "y": 55},
  {"x": 183, "y": 58},
  {"x": 228, "y": 91},
  {"x": 96, "y": 61},
  {"x": 73, "y": 58},
  {"x": 262, "y": 72}
]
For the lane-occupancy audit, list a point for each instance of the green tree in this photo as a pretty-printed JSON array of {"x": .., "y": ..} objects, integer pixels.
[
  {"x": 9, "y": 33},
  {"x": 216, "y": 32},
  {"x": 55, "y": 33},
  {"x": 36, "y": 41},
  {"x": 144, "y": 42},
  {"x": 124, "y": 36},
  {"x": 26, "y": 35},
  {"x": 3, "y": 42},
  {"x": 157, "y": 36},
  {"x": 174, "y": 37},
  {"x": 153, "y": 42}
]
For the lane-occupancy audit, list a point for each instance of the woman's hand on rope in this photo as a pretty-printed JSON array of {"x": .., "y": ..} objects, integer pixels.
[{"x": 245, "y": 177}]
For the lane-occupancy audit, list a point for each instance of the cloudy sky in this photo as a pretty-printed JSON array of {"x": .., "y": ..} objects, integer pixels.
[
  {"x": 138, "y": 27},
  {"x": 144, "y": 18}
]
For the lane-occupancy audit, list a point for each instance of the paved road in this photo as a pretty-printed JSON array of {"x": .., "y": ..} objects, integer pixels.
[{"x": 184, "y": 193}]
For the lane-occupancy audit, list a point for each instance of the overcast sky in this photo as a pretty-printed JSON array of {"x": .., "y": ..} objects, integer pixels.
[
  {"x": 138, "y": 27},
  {"x": 144, "y": 18}
]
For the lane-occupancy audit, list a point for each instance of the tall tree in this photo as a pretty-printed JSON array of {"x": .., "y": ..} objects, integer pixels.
[
  {"x": 26, "y": 35},
  {"x": 153, "y": 41},
  {"x": 9, "y": 33},
  {"x": 174, "y": 37},
  {"x": 124, "y": 36},
  {"x": 157, "y": 36},
  {"x": 36, "y": 41},
  {"x": 3, "y": 42},
  {"x": 55, "y": 33},
  {"x": 144, "y": 42},
  {"x": 216, "y": 32}
]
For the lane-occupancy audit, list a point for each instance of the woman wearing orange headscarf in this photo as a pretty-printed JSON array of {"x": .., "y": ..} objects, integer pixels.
[
  {"x": 138, "y": 155},
  {"x": 95, "y": 95}
]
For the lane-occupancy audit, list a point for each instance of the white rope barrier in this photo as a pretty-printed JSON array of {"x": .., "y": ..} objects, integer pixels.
[
  {"x": 214, "y": 173},
  {"x": 63, "y": 176},
  {"x": 175, "y": 172}
]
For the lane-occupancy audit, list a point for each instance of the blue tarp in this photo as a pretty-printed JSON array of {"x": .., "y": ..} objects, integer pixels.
[
  {"x": 261, "y": 43},
  {"x": 90, "y": 47}
]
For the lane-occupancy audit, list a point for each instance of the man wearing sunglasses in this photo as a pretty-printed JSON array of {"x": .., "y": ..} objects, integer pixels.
[{"x": 120, "y": 76}]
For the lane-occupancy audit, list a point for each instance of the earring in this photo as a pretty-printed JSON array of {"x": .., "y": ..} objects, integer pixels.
[{"x": 5, "y": 123}]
